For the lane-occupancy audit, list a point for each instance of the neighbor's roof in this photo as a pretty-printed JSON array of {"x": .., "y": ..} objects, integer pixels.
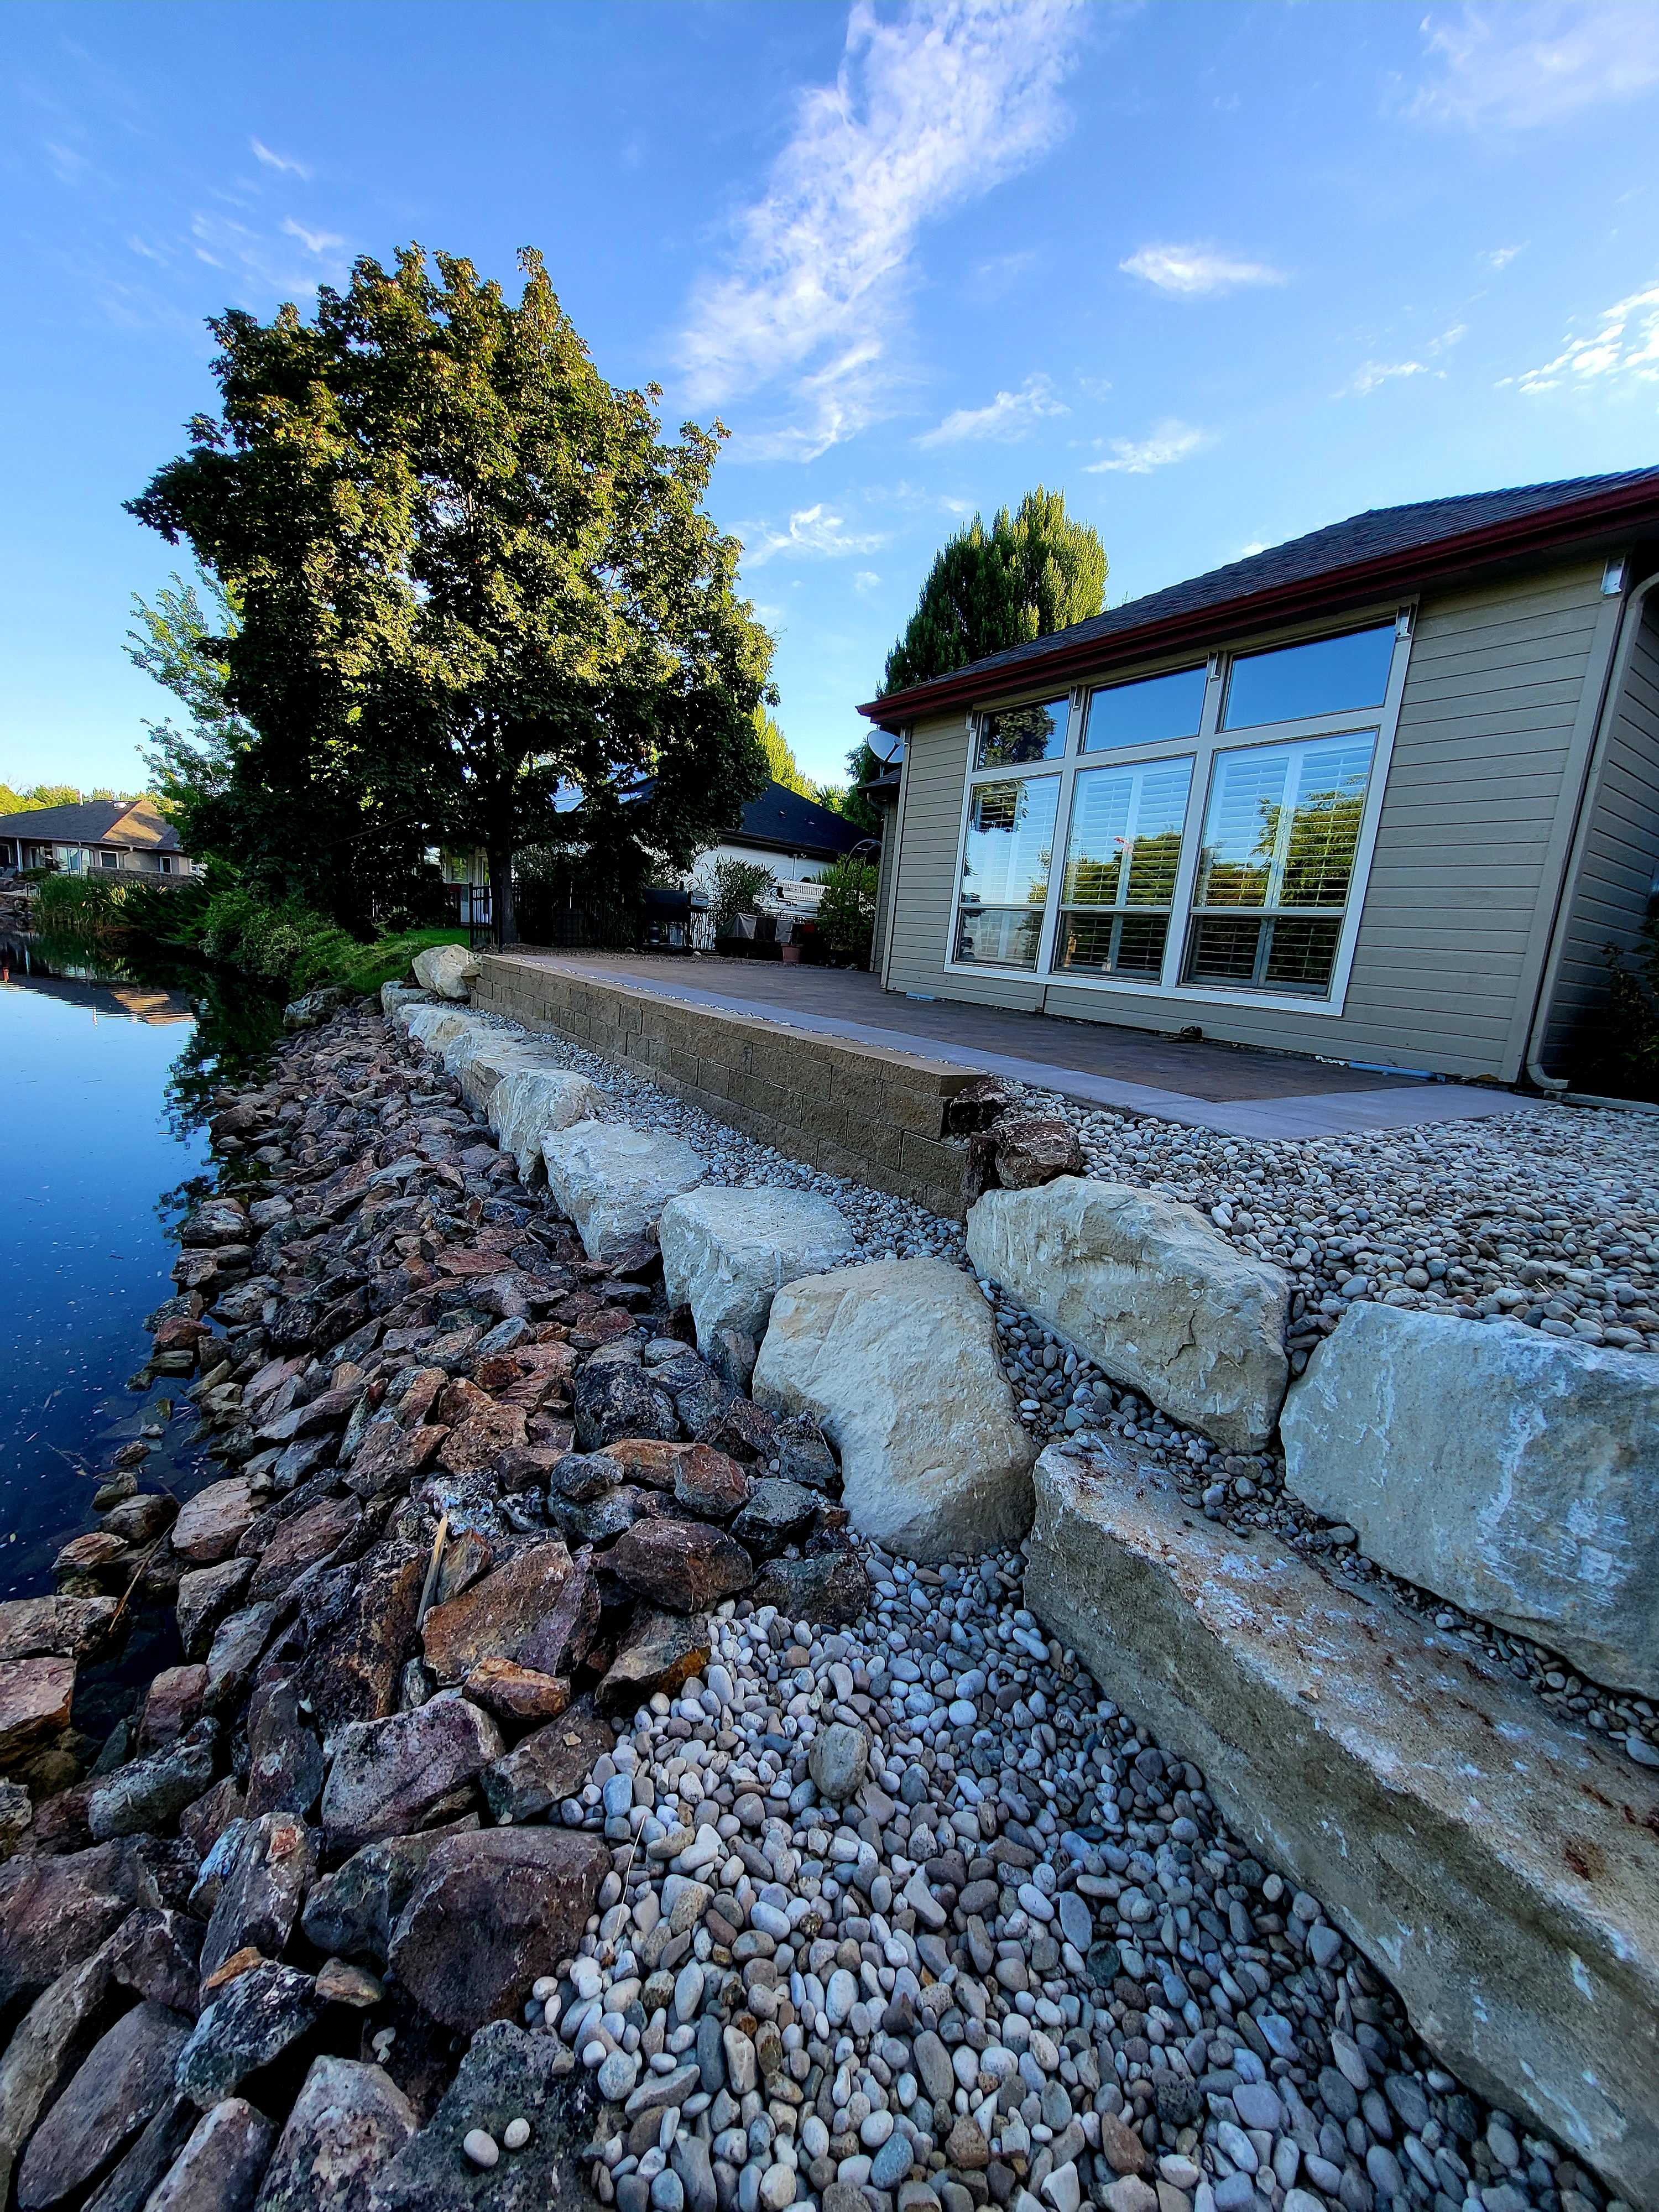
[
  {"x": 95, "y": 821},
  {"x": 782, "y": 818},
  {"x": 1385, "y": 549}
]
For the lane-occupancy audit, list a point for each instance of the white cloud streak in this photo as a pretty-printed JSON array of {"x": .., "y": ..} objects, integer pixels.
[
  {"x": 1170, "y": 441},
  {"x": 314, "y": 242},
  {"x": 1513, "y": 66},
  {"x": 290, "y": 168},
  {"x": 1624, "y": 347},
  {"x": 930, "y": 109},
  {"x": 1195, "y": 272},
  {"x": 1010, "y": 415},
  {"x": 812, "y": 532},
  {"x": 1370, "y": 374}
]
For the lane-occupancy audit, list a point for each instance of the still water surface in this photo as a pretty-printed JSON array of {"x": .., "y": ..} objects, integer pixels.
[{"x": 104, "y": 1075}]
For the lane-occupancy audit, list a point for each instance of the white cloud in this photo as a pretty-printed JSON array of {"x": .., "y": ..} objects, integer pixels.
[
  {"x": 1248, "y": 552},
  {"x": 866, "y": 579},
  {"x": 930, "y": 108},
  {"x": 1170, "y": 441},
  {"x": 314, "y": 242},
  {"x": 1522, "y": 62},
  {"x": 1371, "y": 374},
  {"x": 1193, "y": 272},
  {"x": 1008, "y": 417},
  {"x": 1501, "y": 255},
  {"x": 810, "y": 532},
  {"x": 262, "y": 153},
  {"x": 1623, "y": 347}
]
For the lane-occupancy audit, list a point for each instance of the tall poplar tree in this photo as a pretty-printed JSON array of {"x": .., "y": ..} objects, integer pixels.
[{"x": 1032, "y": 573}]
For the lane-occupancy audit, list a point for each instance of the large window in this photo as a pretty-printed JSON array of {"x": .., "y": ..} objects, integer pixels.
[
  {"x": 1123, "y": 857},
  {"x": 1281, "y": 834},
  {"x": 1201, "y": 831},
  {"x": 1006, "y": 860}
]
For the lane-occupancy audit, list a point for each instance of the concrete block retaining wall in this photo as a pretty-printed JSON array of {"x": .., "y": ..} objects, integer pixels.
[{"x": 851, "y": 1109}]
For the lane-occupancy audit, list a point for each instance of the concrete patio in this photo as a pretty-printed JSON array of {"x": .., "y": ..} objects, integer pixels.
[{"x": 1202, "y": 1084}]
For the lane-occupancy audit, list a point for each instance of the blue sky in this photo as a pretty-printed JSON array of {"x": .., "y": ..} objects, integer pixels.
[{"x": 1223, "y": 272}]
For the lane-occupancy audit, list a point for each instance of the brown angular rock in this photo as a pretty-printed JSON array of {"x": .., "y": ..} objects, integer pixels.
[
  {"x": 390, "y": 1456},
  {"x": 548, "y": 1766},
  {"x": 388, "y": 1776},
  {"x": 557, "y": 1645},
  {"x": 260, "y": 1897},
  {"x": 710, "y": 1482},
  {"x": 299, "y": 1543},
  {"x": 219, "y": 2168},
  {"x": 348, "y": 2121},
  {"x": 1033, "y": 1149},
  {"x": 173, "y": 1703},
  {"x": 39, "y": 2057},
  {"x": 660, "y": 1651},
  {"x": 155, "y": 1953},
  {"x": 53, "y": 1627},
  {"x": 54, "y": 1912},
  {"x": 234, "y": 1652},
  {"x": 360, "y": 1629},
  {"x": 495, "y": 1617},
  {"x": 97, "y": 1553},
  {"x": 472, "y": 1446},
  {"x": 685, "y": 1565},
  {"x": 1122, "y": 2147},
  {"x": 353, "y": 1910},
  {"x": 141, "y": 1520},
  {"x": 492, "y": 1912},
  {"x": 206, "y": 1594},
  {"x": 213, "y": 1523},
  {"x": 517, "y": 1694},
  {"x": 126, "y": 2079},
  {"x": 828, "y": 1584},
  {"x": 34, "y": 1705},
  {"x": 648, "y": 1460}
]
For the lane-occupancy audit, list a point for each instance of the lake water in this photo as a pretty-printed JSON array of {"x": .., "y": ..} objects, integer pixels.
[{"x": 104, "y": 1079}]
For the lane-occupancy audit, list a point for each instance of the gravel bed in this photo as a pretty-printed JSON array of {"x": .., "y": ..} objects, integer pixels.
[
  {"x": 1030, "y": 1961},
  {"x": 1499, "y": 1201}
]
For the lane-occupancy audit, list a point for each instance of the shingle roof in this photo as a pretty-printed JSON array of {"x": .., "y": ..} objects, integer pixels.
[
  {"x": 1379, "y": 535},
  {"x": 95, "y": 821},
  {"x": 782, "y": 817}
]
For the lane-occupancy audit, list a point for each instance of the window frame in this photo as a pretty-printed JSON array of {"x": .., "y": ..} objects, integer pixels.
[{"x": 1202, "y": 750}]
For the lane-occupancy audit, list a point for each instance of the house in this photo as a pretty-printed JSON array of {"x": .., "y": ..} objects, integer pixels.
[
  {"x": 1382, "y": 794},
  {"x": 99, "y": 835},
  {"x": 792, "y": 836}
]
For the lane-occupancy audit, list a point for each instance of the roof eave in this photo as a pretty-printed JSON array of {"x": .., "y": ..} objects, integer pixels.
[{"x": 1441, "y": 562}]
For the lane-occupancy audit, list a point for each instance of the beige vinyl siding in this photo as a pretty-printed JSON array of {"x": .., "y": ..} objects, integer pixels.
[
  {"x": 1621, "y": 852},
  {"x": 1462, "y": 864},
  {"x": 885, "y": 873}
]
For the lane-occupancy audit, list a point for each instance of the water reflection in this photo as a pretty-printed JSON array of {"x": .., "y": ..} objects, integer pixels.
[{"x": 108, "y": 1063}]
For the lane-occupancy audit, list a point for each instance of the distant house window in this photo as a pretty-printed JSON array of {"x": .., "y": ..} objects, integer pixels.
[
  {"x": 1019, "y": 735},
  {"x": 164, "y": 864},
  {"x": 1328, "y": 676},
  {"x": 109, "y": 860},
  {"x": 1281, "y": 834}
]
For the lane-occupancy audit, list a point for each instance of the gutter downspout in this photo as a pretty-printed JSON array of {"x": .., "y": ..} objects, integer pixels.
[{"x": 1613, "y": 685}]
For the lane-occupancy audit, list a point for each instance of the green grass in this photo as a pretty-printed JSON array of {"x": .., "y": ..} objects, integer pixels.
[{"x": 388, "y": 960}]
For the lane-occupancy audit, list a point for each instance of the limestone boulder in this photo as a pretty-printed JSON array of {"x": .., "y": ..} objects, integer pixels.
[
  {"x": 448, "y": 969},
  {"x": 1152, "y": 1292},
  {"x": 393, "y": 995},
  {"x": 726, "y": 1254},
  {"x": 531, "y": 1097},
  {"x": 614, "y": 1181},
  {"x": 1513, "y": 1472},
  {"x": 897, "y": 1363},
  {"x": 1500, "y": 1869},
  {"x": 434, "y": 1024}
]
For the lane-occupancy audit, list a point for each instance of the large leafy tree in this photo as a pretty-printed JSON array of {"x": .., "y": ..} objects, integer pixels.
[
  {"x": 1031, "y": 573},
  {"x": 479, "y": 599}
]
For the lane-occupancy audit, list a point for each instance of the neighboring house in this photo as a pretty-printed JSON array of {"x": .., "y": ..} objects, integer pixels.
[
  {"x": 794, "y": 837},
  {"x": 1382, "y": 794},
  {"x": 98, "y": 836}
]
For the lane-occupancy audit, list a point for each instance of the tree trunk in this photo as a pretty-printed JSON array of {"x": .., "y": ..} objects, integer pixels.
[{"x": 501, "y": 895}]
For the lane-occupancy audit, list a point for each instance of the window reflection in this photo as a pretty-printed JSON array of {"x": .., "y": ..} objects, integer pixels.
[
  {"x": 1021, "y": 734},
  {"x": 1146, "y": 713},
  {"x": 1281, "y": 834},
  {"x": 1328, "y": 676},
  {"x": 1005, "y": 861},
  {"x": 1123, "y": 852}
]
